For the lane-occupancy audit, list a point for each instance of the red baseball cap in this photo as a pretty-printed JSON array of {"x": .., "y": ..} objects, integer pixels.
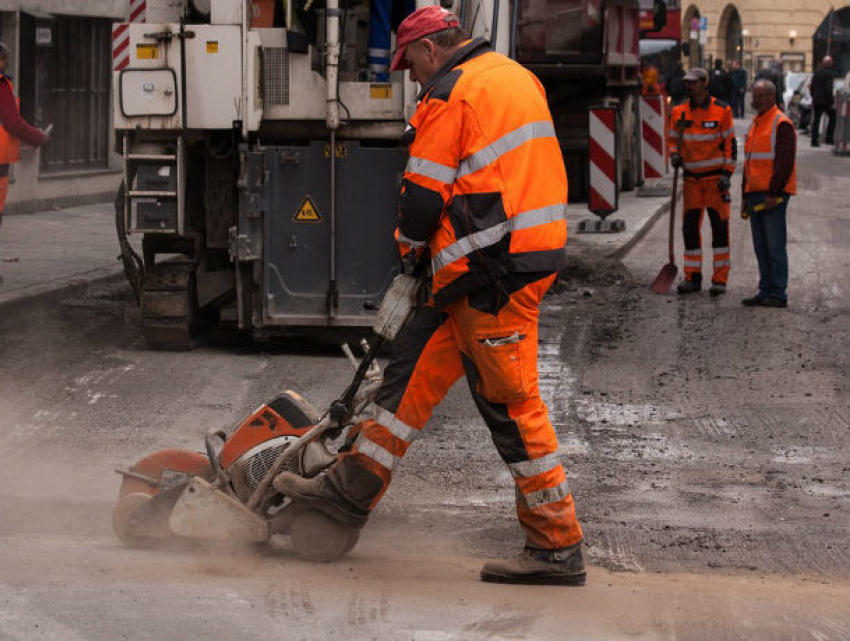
[{"x": 420, "y": 23}]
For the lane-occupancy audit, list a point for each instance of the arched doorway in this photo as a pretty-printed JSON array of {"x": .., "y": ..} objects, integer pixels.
[{"x": 730, "y": 43}]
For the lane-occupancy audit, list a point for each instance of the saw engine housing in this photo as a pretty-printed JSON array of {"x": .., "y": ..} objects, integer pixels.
[{"x": 249, "y": 453}]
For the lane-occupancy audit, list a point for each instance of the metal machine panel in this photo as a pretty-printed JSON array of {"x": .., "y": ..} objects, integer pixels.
[
  {"x": 298, "y": 240},
  {"x": 147, "y": 90},
  {"x": 213, "y": 76},
  {"x": 364, "y": 100}
]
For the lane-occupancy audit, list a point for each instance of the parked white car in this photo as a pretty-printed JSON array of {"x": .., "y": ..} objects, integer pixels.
[{"x": 794, "y": 81}]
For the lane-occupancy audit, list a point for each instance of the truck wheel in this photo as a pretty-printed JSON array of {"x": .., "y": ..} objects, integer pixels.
[{"x": 316, "y": 537}]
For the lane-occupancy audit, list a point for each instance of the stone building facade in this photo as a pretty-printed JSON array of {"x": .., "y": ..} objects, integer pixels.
[{"x": 754, "y": 31}]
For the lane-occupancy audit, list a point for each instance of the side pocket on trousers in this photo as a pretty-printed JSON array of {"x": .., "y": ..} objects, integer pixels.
[{"x": 501, "y": 356}]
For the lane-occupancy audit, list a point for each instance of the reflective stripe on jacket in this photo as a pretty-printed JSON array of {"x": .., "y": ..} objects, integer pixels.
[
  {"x": 10, "y": 146},
  {"x": 708, "y": 143},
  {"x": 760, "y": 151},
  {"x": 485, "y": 185}
]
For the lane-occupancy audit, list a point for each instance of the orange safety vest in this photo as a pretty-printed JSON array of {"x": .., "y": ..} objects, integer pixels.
[
  {"x": 760, "y": 151},
  {"x": 486, "y": 167},
  {"x": 708, "y": 144},
  {"x": 10, "y": 147}
]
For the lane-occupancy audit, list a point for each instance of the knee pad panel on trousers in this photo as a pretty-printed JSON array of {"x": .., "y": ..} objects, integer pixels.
[
  {"x": 691, "y": 223},
  {"x": 719, "y": 228},
  {"x": 358, "y": 484},
  {"x": 503, "y": 429}
]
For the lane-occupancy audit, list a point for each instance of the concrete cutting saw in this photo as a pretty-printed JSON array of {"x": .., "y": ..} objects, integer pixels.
[{"x": 225, "y": 494}]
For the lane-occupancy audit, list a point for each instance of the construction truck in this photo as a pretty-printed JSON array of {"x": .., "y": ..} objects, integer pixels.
[{"x": 263, "y": 154}]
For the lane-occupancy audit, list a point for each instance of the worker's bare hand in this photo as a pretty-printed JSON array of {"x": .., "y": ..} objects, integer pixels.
[{"x": 770, "y": 202}]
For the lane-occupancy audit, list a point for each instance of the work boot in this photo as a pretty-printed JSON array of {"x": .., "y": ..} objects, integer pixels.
[
  {"x": 774, "y": 301},
  {"x": 539, "y": 567},
  {"x": 689, "y": 286},
  {"x": 752, "y": 301},
  {"x": 319, "y": 493},
  {"x": 765, "y": 301},
  {"x": 717, "y": 289}
]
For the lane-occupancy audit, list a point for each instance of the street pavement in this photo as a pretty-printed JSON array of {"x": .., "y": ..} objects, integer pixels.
[{"x": 49, "y": 253}]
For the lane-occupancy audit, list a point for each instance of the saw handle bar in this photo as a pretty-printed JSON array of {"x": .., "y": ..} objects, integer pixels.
[
  {"x": 342, "y": 409},
  {"x": 220, "y": 474}
]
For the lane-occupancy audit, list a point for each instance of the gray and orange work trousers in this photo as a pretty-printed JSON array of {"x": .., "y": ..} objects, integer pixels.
[
  {"x": 497, "y": 351},
  {"x": 700, "y": 195}
]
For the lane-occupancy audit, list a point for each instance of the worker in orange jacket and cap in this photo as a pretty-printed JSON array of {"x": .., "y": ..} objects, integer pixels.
[
  {"x": 708, "y": 155},
  {"x": 483, "y": 202}
]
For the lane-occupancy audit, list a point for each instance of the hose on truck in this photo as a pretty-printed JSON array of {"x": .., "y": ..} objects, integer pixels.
[{"x": 134, "y": 267}]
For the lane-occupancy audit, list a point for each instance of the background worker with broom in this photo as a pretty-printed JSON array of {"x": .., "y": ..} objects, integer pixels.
[{"x": 707, "y": 155}]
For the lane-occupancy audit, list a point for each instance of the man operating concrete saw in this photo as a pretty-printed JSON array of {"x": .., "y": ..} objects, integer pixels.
[{"x": 483, "y": 199}]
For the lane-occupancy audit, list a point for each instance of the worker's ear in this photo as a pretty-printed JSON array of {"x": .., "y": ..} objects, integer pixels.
[{"x": 430, "y": 48}]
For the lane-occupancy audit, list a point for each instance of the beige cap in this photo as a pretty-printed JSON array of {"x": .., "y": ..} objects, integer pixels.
[{"x": 694, "y": 74}]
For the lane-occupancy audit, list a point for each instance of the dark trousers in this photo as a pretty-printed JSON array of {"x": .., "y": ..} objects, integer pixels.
[
  {"x": 738, "y": 104},
  {"x": 830, "y": 125},
  {"x": 769, "y": 242}
]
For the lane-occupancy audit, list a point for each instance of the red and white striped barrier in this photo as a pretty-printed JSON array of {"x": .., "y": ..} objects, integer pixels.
[
  {"x": 652, "y": 136},
  {"x": 121, "y": 34},
  {"x": 137, "y": 11},
  {"x": 120, "y": 45},
  {"x": 603, "y": 161}
]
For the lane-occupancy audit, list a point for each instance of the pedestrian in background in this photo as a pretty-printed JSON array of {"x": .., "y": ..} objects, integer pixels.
[
  {"x": 708, "y": 155},
  {"x": 823, "y": 101},
  {"x": 739, "y": 89},
  {"x": 675, "y": 85},
  {"x": 773, "y": 73},
  {"x": 482, "y": 202},
  {"x": 769, "y": 180},
  {"x": 13, "y": 128},
  {"x": 719, "y": 83}
]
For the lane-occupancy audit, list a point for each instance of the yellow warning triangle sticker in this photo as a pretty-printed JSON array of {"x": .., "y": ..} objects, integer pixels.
[{"x": 307, "y": 212}]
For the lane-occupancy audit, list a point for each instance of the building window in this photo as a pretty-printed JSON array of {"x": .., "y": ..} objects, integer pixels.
[
  {"x": 73, "y": 91},
  {"x": 763, "y": 61},
  {"x": 795, "y": 62}
]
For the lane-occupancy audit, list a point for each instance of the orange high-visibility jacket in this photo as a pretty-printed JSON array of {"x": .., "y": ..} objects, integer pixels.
[
  {"x": 10, "y": 146},
  {"x": 760, "y": 151},
  {"x": 485, "y": 187},
  {"x": 708, "y": 144}
]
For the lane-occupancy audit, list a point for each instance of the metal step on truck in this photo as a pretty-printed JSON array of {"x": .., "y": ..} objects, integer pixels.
[{"x": 262, "y": 154}]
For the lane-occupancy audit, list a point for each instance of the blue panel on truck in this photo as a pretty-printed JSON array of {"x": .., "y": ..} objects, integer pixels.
[{"x": 297, "y": 250}]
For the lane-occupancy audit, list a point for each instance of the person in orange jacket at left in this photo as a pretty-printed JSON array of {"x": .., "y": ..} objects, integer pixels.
[
  {"x": 13, "y": 128},
  {"x": 649, "y": 76},
  {"x": 707, "y": 155}
]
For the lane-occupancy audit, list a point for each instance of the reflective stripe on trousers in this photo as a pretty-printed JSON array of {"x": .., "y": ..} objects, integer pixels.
[{"x": 434, "y": 351}]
